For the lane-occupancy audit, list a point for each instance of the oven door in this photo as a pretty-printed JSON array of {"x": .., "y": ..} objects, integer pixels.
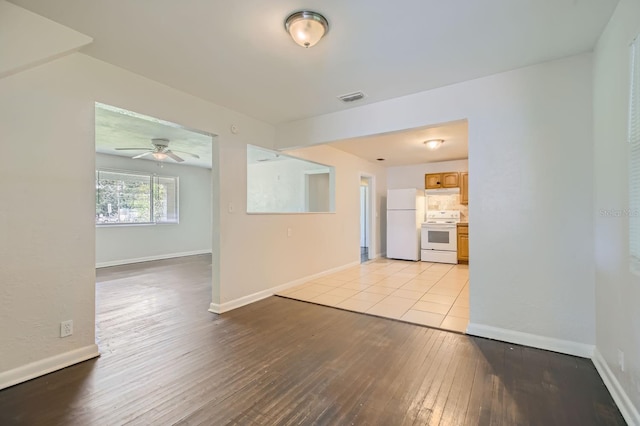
[{"x": 440, "y": 237}]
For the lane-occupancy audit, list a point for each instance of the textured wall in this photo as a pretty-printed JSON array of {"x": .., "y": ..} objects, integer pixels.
[
  {"x": 47, "y": 229},
  {"x": 529, "y": 146},
  {"x": 617, "y": 289}
]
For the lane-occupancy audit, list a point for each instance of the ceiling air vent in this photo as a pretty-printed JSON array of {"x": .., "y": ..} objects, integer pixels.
[{"x": 351, "y": 97}]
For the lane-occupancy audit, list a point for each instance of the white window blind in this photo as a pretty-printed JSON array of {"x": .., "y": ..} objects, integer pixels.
[{"x": 634, "y": 159}]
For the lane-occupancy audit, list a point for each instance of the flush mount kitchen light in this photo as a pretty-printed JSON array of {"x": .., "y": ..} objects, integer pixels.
[
  {"x": 434, "y": 144},
  {"x": 306, "y": 28}
]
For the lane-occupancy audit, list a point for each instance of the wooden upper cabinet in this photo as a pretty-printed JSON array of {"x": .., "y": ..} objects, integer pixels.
[
  {"x": 432, "y": 181},
  {"x": 450, "y": 180},
  {"x": 441, "y": 180},
  {"x": 464, "y": 188}
]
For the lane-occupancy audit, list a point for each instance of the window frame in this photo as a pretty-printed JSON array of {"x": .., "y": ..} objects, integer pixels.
[
  {"x": 634, "y": 156},
  {"x": 153, "y": 179}
]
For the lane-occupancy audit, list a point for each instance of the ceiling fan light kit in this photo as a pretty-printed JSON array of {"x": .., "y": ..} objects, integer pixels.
[
  {"x": 306, "y": 28},
  {"x": 159, "y": 156}
]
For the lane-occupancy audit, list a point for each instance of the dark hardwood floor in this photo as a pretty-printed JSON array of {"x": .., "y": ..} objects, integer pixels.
[{"x": 166, "y": 360}]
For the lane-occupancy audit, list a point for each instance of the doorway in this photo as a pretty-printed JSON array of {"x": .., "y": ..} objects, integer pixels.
[
  {"x": 365, "y": 218},
  {"x": 155, "y": 190}
]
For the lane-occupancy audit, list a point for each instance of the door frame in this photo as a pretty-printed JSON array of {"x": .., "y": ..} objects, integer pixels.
[{"x": 372, "y": 214}]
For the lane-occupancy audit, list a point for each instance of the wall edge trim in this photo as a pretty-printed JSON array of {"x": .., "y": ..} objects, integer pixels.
[
  {"x": 620, "y": 397},
  {"x": 533, "y": 340},
  {"x": 150, "y": 258},
  {"x": 219, "y": 308},
  {"x": 47, "y": 365}
]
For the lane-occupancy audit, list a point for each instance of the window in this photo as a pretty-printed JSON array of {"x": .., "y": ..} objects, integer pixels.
[
  {"x": 132, "y": 197},
  {"x": 634, "y": 159}
]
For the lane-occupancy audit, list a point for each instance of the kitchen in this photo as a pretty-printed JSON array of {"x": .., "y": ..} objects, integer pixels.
[
  {"x": 426, "y": 292},
  {"x": 430, "y": 225}
]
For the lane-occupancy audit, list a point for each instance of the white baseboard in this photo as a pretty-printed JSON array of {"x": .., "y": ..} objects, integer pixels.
[
  {"x": 541, "y": 342},
  {"x": 620, "y": 397},
  {"x": 217, "y": 308},
  {"x": 150, "y": 258},
  {"x": 47, "y": 365}
]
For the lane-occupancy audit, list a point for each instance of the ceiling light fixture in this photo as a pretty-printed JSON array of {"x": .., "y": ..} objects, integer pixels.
[
  {"x": 434, "y": 144},
  {"x": 306, "y": 28},
  {"x": 159, "y": 156}
]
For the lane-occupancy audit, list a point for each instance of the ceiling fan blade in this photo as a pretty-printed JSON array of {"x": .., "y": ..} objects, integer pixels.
[
  {"x": 187, "y": 153},
  {"x": 144, "y": 154},
  {"x": 173, "y": 156},
  {"x": 131, "y": 149}
]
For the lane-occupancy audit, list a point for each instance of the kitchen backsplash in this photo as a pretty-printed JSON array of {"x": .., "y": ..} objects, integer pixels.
[{"x": 448, "y": 202}]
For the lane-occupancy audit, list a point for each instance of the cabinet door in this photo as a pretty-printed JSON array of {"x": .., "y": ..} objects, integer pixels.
[
  {"x": 464, "y": 188},
  {"x": 432, "y": 181},
  {"x": 463, "y": 244},
  {"x": 450, "y": 180}
]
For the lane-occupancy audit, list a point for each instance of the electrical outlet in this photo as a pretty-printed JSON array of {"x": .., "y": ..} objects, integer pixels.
[
  {"x": 621, "y": 360},
  {"x": 289, "y": 232},
  {"x": 66, "y": 328}
]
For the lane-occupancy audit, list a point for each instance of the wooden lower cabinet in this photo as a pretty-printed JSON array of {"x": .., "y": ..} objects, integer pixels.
[{"x": 463, "y": 243}]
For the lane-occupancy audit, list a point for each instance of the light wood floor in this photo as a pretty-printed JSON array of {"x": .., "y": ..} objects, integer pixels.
[{"x": 166, "y": 360}]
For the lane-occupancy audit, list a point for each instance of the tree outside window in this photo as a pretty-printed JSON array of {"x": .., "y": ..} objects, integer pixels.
[{"x": 126, "y": 198}]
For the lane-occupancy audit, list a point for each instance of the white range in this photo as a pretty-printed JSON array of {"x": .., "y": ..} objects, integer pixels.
[{"x": 439, "y": 239}]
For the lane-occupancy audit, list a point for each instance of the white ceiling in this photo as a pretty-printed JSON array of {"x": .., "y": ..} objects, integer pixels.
[
  {"x": 116, "y": 128},
  {"x": 407, "y": 147},
  {"x": 257, "y": 155},
  {"x": 237, "y": 54}
]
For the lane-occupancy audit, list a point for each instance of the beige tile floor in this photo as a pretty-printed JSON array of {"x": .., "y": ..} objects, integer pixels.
[{"x": 431, "y": 294}]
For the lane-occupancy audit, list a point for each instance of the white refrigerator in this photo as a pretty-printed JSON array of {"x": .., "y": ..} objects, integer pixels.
[{"x": 405, "y": 214}]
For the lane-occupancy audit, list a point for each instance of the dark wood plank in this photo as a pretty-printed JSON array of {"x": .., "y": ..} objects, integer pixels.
[
  {"x": 460, "y": 394},
  {"x": 166, "y": 360}
]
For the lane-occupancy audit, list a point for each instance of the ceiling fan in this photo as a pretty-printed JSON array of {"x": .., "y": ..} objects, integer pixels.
[{"x": 160, "y": 151}]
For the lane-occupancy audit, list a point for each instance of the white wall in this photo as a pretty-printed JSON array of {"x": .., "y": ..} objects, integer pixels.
[
  {"x": 319, "y": 241},
  {"x": 275, "y": 186},
  {"x": 530, "y": 159},
  {"x": 27, "y": 39},
  {"x": 617, "y": 290},
  {"x": 47, "y": 267},
  {"x": 126, "y": 244},
  {"x": 48, "y": 260},
  {"x": 278, "y": 186},
  {"x": 413, "y": 176}
]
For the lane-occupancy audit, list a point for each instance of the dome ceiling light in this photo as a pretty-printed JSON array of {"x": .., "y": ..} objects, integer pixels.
[
  {"x": 306, "y": 28},
  {"x": 433, "y": 144}
]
